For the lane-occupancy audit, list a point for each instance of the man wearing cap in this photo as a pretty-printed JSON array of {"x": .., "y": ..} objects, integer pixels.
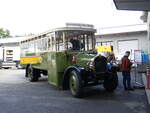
[
  {"x": 111, "y": 58},
  {"x": 126, "y": 68}
]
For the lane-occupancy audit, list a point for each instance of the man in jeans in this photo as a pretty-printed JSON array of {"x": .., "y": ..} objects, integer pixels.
[{"x": 126, "y": 68}]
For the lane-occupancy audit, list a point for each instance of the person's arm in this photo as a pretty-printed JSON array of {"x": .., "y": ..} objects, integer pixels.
[{"x": 129, "y": 64}]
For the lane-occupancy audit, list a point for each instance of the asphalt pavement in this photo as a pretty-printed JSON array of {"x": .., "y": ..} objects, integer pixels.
[{"x": 18, "y": 95}]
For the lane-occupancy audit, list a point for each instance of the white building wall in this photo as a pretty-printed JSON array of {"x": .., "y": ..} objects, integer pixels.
[{"x": 141, "y": 36}]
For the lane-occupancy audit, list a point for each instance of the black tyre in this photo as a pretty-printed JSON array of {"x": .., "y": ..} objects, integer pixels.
[
  {"x": 111, "y": 82},
  {"x": 75, "y": 84},
  {"x": 27, "y": 71},
  {"x": 32, "y": 74}
]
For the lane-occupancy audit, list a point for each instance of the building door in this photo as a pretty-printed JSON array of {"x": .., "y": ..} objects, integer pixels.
[{"x": 127, "y": 45}]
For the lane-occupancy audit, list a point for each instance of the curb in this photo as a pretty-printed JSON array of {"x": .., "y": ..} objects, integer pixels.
[{"x": 146, "y": 90}]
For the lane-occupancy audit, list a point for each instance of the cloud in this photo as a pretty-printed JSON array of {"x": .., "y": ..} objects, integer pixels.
[{"x": 34, "y": 16}]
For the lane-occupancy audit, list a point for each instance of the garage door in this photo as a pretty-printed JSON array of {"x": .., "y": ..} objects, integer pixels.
[{"x": 127, "y": 45}]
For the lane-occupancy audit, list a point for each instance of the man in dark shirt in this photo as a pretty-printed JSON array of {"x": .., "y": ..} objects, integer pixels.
[
  {"x": 111, "y": 58},
  {"x": 77, "y": 45},
  {"x": 126, "y": 68}
]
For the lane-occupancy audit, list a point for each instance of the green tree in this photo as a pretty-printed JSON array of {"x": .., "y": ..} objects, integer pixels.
[{"x": 4, "y": 33}]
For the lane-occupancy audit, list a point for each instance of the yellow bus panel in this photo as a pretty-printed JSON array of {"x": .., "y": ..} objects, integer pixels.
[
  {"x": 30, "y": 60},
  {"x": 104, "y": 49}
]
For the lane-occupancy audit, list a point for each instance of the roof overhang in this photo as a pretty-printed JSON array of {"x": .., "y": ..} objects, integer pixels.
[{"x": 139, "y": 5}]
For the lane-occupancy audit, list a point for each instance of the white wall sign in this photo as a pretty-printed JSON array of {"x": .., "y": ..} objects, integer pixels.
[{"x": 138, "y": 56}]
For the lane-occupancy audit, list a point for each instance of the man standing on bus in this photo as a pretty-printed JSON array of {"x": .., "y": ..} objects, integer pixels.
[{"x": 126, "y": 68}]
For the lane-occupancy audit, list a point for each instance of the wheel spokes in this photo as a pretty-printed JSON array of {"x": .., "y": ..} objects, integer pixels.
[{"x": 73, "y": 86}]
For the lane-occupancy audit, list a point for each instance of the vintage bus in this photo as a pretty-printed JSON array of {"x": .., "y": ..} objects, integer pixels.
[{"x": 67, "y": 56}]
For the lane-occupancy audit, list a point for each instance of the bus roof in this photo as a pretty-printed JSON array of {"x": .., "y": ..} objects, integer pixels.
[{"x": 82, "y": 28}]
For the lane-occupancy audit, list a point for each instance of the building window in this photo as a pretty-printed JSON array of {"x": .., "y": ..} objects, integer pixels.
[{"x": 104, "y": 43}]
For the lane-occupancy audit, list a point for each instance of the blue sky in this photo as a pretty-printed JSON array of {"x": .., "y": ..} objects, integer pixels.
[{"x": 35, "y": 16}]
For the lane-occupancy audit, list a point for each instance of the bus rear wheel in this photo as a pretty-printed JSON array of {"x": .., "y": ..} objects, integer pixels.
[
  {"x": 32, "y": 74},
  {"x": 75, "y": 84}
]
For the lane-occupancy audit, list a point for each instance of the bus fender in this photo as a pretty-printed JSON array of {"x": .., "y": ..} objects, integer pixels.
[{"x": 79, "y": 69}]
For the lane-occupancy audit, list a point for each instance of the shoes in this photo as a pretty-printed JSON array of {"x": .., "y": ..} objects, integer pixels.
[
  {"x": 125, "y": 89},
  {"x": 130, "y": 89}
]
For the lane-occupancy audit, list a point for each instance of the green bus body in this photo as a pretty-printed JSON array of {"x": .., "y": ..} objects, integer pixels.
[{"x": 57, "y": 62}]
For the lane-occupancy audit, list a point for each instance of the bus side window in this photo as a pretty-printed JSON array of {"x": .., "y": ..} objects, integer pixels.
[
  {"x": 44, "y": 44},
  {"x": 90, "y": 44},
  {"x": 31, "y": 47},
  {"x": 36, "y": 46},
  {"x": 49, "y": 44},
  {"x": 53, "y": 44},
  {"x": 39, "y": 45},
  {"x": 60, "y": 44}
]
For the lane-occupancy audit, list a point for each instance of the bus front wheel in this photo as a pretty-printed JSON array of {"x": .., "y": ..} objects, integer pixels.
[{"x": 75, "y": 84}]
